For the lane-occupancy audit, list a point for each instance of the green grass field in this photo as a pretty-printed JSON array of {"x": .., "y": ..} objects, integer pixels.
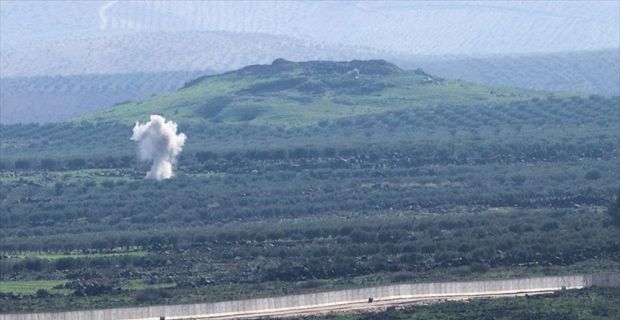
[
  {"x": 32, "y": 286},
  {"x": 76, "y": 255}
]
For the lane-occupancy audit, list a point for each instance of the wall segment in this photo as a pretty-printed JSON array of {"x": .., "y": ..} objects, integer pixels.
[{"x": 415, "y": 291}]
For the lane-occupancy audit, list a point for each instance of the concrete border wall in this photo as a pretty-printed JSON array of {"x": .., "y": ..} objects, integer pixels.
[
  {"x": 411, "y": 291},
  {"x": 603, "y": 280}
]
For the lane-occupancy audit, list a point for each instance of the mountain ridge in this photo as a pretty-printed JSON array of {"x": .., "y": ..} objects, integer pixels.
[
  {"x": 52, "y": 99},
  {"x": 287, "y": 93},
  {"x": 355, "y": 67}
]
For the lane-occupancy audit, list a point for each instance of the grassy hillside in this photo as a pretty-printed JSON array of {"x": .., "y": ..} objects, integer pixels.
[{"x": 297, "y": 94}]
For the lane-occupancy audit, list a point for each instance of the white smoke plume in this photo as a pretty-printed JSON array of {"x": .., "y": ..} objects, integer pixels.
[{"x": 159, "y": 142}]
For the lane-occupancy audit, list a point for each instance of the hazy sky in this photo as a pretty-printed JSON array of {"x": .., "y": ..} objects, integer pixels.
[{"x": 406, "y": 27}]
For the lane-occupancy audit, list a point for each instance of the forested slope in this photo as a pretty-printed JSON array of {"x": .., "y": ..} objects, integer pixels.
[{"x": 460, "y": 182}]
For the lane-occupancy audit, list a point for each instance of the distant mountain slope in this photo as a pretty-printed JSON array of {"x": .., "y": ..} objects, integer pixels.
[
  {"x": 590, "y": 72},
  {"x": 51, "y": 99},
  {"x": 408, "y": 27},
  {"x": 287, "y": 93}
]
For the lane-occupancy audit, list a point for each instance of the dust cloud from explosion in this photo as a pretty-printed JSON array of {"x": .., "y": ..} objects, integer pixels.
[{"x": 159, "y": 142}]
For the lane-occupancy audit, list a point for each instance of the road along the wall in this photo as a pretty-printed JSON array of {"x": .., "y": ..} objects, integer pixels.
[{"x": 352, "y": 299}]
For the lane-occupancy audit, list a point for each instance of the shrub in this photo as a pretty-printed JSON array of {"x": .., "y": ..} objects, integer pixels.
[
  {"x": 151, "y": 295},
  {"x": 77, "y": 163},
  {"x": 48, "y": 164},
  {"x": 42, "y": 293},
  {"x": 518, "y": 180},
  {"x": 593, "y": 175},
  {"x": 549, "y": 226},
  {"x": 22, "y": 164},
  {"x": 478, "y": 267}
]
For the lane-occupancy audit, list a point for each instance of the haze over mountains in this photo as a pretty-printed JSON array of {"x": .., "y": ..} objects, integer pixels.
[
  {"x": 164, "y": 51},
  {"x": 595, "y": 71},
  {"x": 568, "y": 46},
  {"x": 424, "y": 27},
  {"x": 63, "y": 38}
]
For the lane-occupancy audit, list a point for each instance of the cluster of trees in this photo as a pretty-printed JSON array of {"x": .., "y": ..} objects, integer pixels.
[
  {"x": 427, "y": 189},
  {"x": 329, "y": 247},
  {"x": 77, "y": 163},
  {"x": 418, "y": 154},
  {"x": 565, "y": 127},
  {"x": 254, "y": 191}
]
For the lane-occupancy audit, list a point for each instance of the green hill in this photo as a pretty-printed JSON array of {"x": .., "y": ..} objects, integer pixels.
[
  {"x": 46, "y": 99},
  {"x": 311, "y": 104},
  {"x": 293, "y": 94}
]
